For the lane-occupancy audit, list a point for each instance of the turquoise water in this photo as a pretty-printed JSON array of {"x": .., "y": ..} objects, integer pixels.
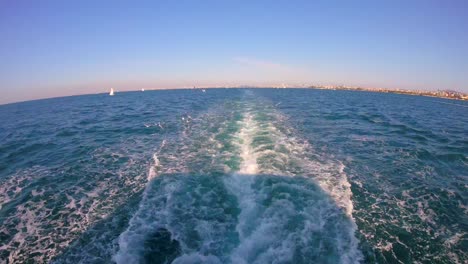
[{"x": 234, "y": 176}]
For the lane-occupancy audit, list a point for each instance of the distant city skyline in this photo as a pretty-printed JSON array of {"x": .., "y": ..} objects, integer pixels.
[{"x": 56, "y": 48}]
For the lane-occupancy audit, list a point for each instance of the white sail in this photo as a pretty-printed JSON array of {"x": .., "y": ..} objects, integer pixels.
[{"x": 111, "y": 92}]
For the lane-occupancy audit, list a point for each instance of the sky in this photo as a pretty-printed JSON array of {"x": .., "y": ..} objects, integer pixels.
[{"x": 59, "y": 48}]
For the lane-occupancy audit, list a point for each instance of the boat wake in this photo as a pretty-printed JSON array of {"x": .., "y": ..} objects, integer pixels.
[{"x": 243, "y": 189}]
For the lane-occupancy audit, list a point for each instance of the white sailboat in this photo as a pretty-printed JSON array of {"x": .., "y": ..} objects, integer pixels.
[
  {"x": 111, "y": 92},
  {"x": 142, "y": 89}
]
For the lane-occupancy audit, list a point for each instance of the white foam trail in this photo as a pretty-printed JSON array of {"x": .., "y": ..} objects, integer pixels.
[
  {"x": 259, "y": 228},
  {"x": 156, "y": 163},
  {"x": 267, "y": 203},
  {"x": 240, "y": 185},
  {"x": 249, "y": 160},
  {"x": 126, "y": 253}
]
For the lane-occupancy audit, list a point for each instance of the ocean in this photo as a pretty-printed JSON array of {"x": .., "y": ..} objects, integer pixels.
[{"x": 234, "y": 176}]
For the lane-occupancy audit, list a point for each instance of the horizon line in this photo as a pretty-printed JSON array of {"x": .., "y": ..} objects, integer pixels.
[{"x": 321, "y": 87}]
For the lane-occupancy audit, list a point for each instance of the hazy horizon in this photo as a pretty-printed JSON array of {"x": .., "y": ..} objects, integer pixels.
[
  {"x": 106, "y": 90},
  {"x": 53, "y": 49}
]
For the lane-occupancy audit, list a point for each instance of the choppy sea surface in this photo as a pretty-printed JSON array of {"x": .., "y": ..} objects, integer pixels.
[{"x": 234, "y": 176}]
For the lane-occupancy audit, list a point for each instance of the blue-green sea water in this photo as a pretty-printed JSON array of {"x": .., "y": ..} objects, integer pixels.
[{"x": 234, "y": 176}]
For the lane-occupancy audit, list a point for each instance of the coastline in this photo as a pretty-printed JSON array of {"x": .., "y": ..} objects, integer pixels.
[{"x": 445, "y": 94}]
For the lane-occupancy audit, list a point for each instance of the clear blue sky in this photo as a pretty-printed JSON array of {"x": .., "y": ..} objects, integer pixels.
[{"x": 54, "y": 48}]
